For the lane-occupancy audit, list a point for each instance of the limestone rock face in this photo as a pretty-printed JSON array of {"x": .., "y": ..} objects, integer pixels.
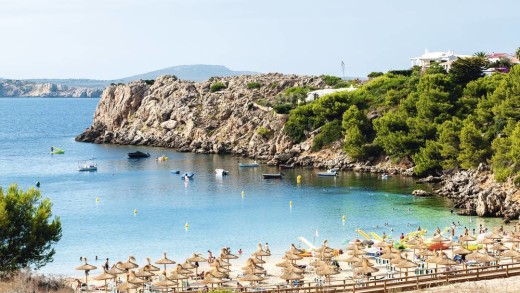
[
  {"x": 20, "y": 88},
  {"x": 187, "y": 116}
]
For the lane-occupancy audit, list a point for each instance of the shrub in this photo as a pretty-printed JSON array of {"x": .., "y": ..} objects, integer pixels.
[
  {"x": 254, "y": 85},
  {"x": 217, "y": 86},
  {"x": 331, "y": 80},
  {"x": 329, "y": 133},
  {"x": 374, "y": 74},
  {"x": 149, "y": 81},
  {"x": 264, "y": 132},
  {"x": 283, "y": 108}
]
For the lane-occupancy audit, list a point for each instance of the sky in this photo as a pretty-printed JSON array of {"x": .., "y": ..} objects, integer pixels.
[{"x": 110, "y": 39}]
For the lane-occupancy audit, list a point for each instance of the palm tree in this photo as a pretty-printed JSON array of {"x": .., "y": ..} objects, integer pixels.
[
  {"x": 517, "y": 53},
  {"x": 480, "y": 54}
]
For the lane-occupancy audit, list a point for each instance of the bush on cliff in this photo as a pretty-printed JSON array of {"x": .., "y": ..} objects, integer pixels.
[
  {"x": 254, "y": 85},
  {"x": 329, "y": 133},
  {"x": 27, "y": 229},
  {"x": 217, "y": 86}
]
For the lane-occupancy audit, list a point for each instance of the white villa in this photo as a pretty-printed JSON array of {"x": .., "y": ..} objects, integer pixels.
[
  {"x": 314, "y": 95},
  {"x": 445, "y": 59}
]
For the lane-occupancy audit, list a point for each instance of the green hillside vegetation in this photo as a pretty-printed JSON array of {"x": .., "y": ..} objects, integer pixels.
[{"x": 440, "y": 121}]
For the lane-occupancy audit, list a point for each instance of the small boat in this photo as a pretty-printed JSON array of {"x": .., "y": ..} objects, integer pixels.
[
  {"x": 286, "y": 166},
  {"x": 161, "y": 158},
  {"x": 330, "y": 173},
  {"x": 87, "y": 166},
  {"x": 273, "y": 176},
  {"x": 254, "y": 164},
  {"x": 56, "y": 151},
  {"x": 175, "y": 171},
  {"x": 187, "y": 176},
  {"x": 384, "y": 176},
  {"x": 221, "y": 172},
  {"x": 138, "y": 155}
]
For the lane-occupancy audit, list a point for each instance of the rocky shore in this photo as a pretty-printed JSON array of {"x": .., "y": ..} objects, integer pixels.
[
  {"x": 190, "y": 117},
  {"x": 21, "y": 88}
]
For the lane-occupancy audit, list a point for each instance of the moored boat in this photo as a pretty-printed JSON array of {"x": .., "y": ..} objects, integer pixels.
[
  {"x": 56, "y": 151},
  {"x": 273, "y": 176},
  {"x": 286, "y": 166},
  {"x": 254, "y": 164},
  {"x": 329, "y": 173},
  {"x": 87, "y": 166},
  {"x": 175, "y": 171},
  {"x": 138, "y": 155},
  {"x": 221, "y": 172},
  {"x": 187, "y": 176}
]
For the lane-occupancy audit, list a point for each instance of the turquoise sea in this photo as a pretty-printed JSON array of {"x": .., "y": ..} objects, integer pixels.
[{"x": 217, "y": 212}]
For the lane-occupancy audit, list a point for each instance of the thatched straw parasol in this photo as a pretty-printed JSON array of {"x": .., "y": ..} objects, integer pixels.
[
  {"x": 129, "y": 264},
  {"x": 365, "y": 268},
  {"x": 136, "y": 280},
  {"x": 295, "y": 269},
  {"x": 257, "y": 261},
  {"x": 223, "y": 262},
  {"x": 284, "y": 264},
  {"x": 126, "y": 286},
  {"x": 357, "y": 252},
  {"x": 405, "y": 264},
  {"x": 485, "y": 241},
  {"x": 196, "y": 258},
  {"x": 165, "y": 261},
  {"x": 292, "y": 256},
  {"x": 260, "y": 252},
  {"x": 104, "y": 276},
  {"x": 324, "y": 248},
  {"x": 165, "y": 282},
  {"x": 150, "y": 266},
  {"x": 493, "y": 236},
  {"x": 115, "y": 270},
  {"x": 382, "y": 244},
  {"x": 474, "y": 255},
  {"x": 210, "y": 279},
  {"x": 461, "y": 250},
  {"x": 144, "y": 272},
  {"x": 180, "y": 270},
  {"x": 486, "y": 258},
  {"x": 225, "y": 254},
  {"x": 498, "y": 247},
  {"x": 295, "y": 250},
  {"x": 316, "y": 262},
  {"x": 511, "y": 253},
  {"x": 188, "y": 265},
  {"x": 87, "y": 268},
  {"x": 290, "y": 275},
  {"x": 445, "y": 261},
  {"x": 252, "y": 278}
]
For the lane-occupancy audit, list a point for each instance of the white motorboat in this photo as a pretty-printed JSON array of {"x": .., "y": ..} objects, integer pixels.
[
  {"x": 87, "y": 166},
  {"x": 330, "y": 173},
  {"x": 254, "y": 164},
  {"x": 221, "y": 172}
]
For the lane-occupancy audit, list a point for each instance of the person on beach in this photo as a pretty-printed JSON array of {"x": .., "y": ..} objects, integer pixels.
[
  {"x": 106, "y": 266},
  {"x": 473, "y": 231},
  {"x": 210, "y": 256},
  {"x": 240, "y": 251},
  {"x": 266, "y": 248},
  {"x": 402, "y": 236},
  {"x": 466, "y": 231},
  {"x": 384, "y": 235},
  {"x": 240, "y": 288},
  {"x": 438, "y": 231}
]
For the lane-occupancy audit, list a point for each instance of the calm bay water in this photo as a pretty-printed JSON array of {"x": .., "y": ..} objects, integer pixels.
[{"x": 214, "y": 208}]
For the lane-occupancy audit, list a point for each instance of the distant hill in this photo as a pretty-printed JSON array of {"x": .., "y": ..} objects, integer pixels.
[
  {"x": 197, "y": 72},
  {"x": 93, "y": 88}
]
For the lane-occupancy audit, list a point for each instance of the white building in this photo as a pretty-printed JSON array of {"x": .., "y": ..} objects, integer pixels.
[
  {"x": 314, "y": 95},
  {"x": 445, "y": 59}
]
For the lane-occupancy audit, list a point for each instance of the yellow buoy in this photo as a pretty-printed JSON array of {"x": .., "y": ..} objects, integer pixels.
[
  {"x": 343, "y": 218},
  {"x": 290, "y": 203},
  {"x": 299, "y": 179},
  {"x": 97, "y": 199},
  {"x": 135, "y": 211},
  {"x": 243, "y": 194},
  {"x": 186, "y": 226}
]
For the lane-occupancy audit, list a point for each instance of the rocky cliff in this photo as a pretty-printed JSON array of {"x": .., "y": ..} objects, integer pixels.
[
  {"x": 21, "y": 88},
  {"x": 189, "y": 117}
]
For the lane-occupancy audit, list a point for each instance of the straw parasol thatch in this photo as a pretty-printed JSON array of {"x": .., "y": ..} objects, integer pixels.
[
  {"x": 210, "y": 279},
  {"x": 87, "y": 268},
  {"x": 365, "y": 268},
  {"x": 474, "y": 255},
  {"x": 188, "y": 265},
  {"x": 251, "y": 278},
  {"x": 284, "y": 264},
  {"x": 292, "y": 256},
  {"x": 115, "y": 270},
  {"x": 225, "y": 254},
  {"x": 405, "y": 264},
  {"x": 144, "y": 272},
  {"x": 260, "y": 252},
  {"x": 165, "y": 282},
  {"x": 316, "y": 263},
  {"x": 510, "y": 253},
  {"x": 382, "y": 244},
  {"x": 165, "y": 261},
  {"x": 348, "y": 259},
  {"x": 498, "y": 247},
  {"x": 290, "y": 275},
  {"x": 196, "y": 258},
  {"x": 104, "y": 276},
  {"x": 150, "y": 267},
  {"x": 295, "y": 250},
  {"x": 257, "y": 261},
  {"x": 461, "y": 250},
  {"x": 180, "y": 270},
  {"x": 129, "y": 264}
]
